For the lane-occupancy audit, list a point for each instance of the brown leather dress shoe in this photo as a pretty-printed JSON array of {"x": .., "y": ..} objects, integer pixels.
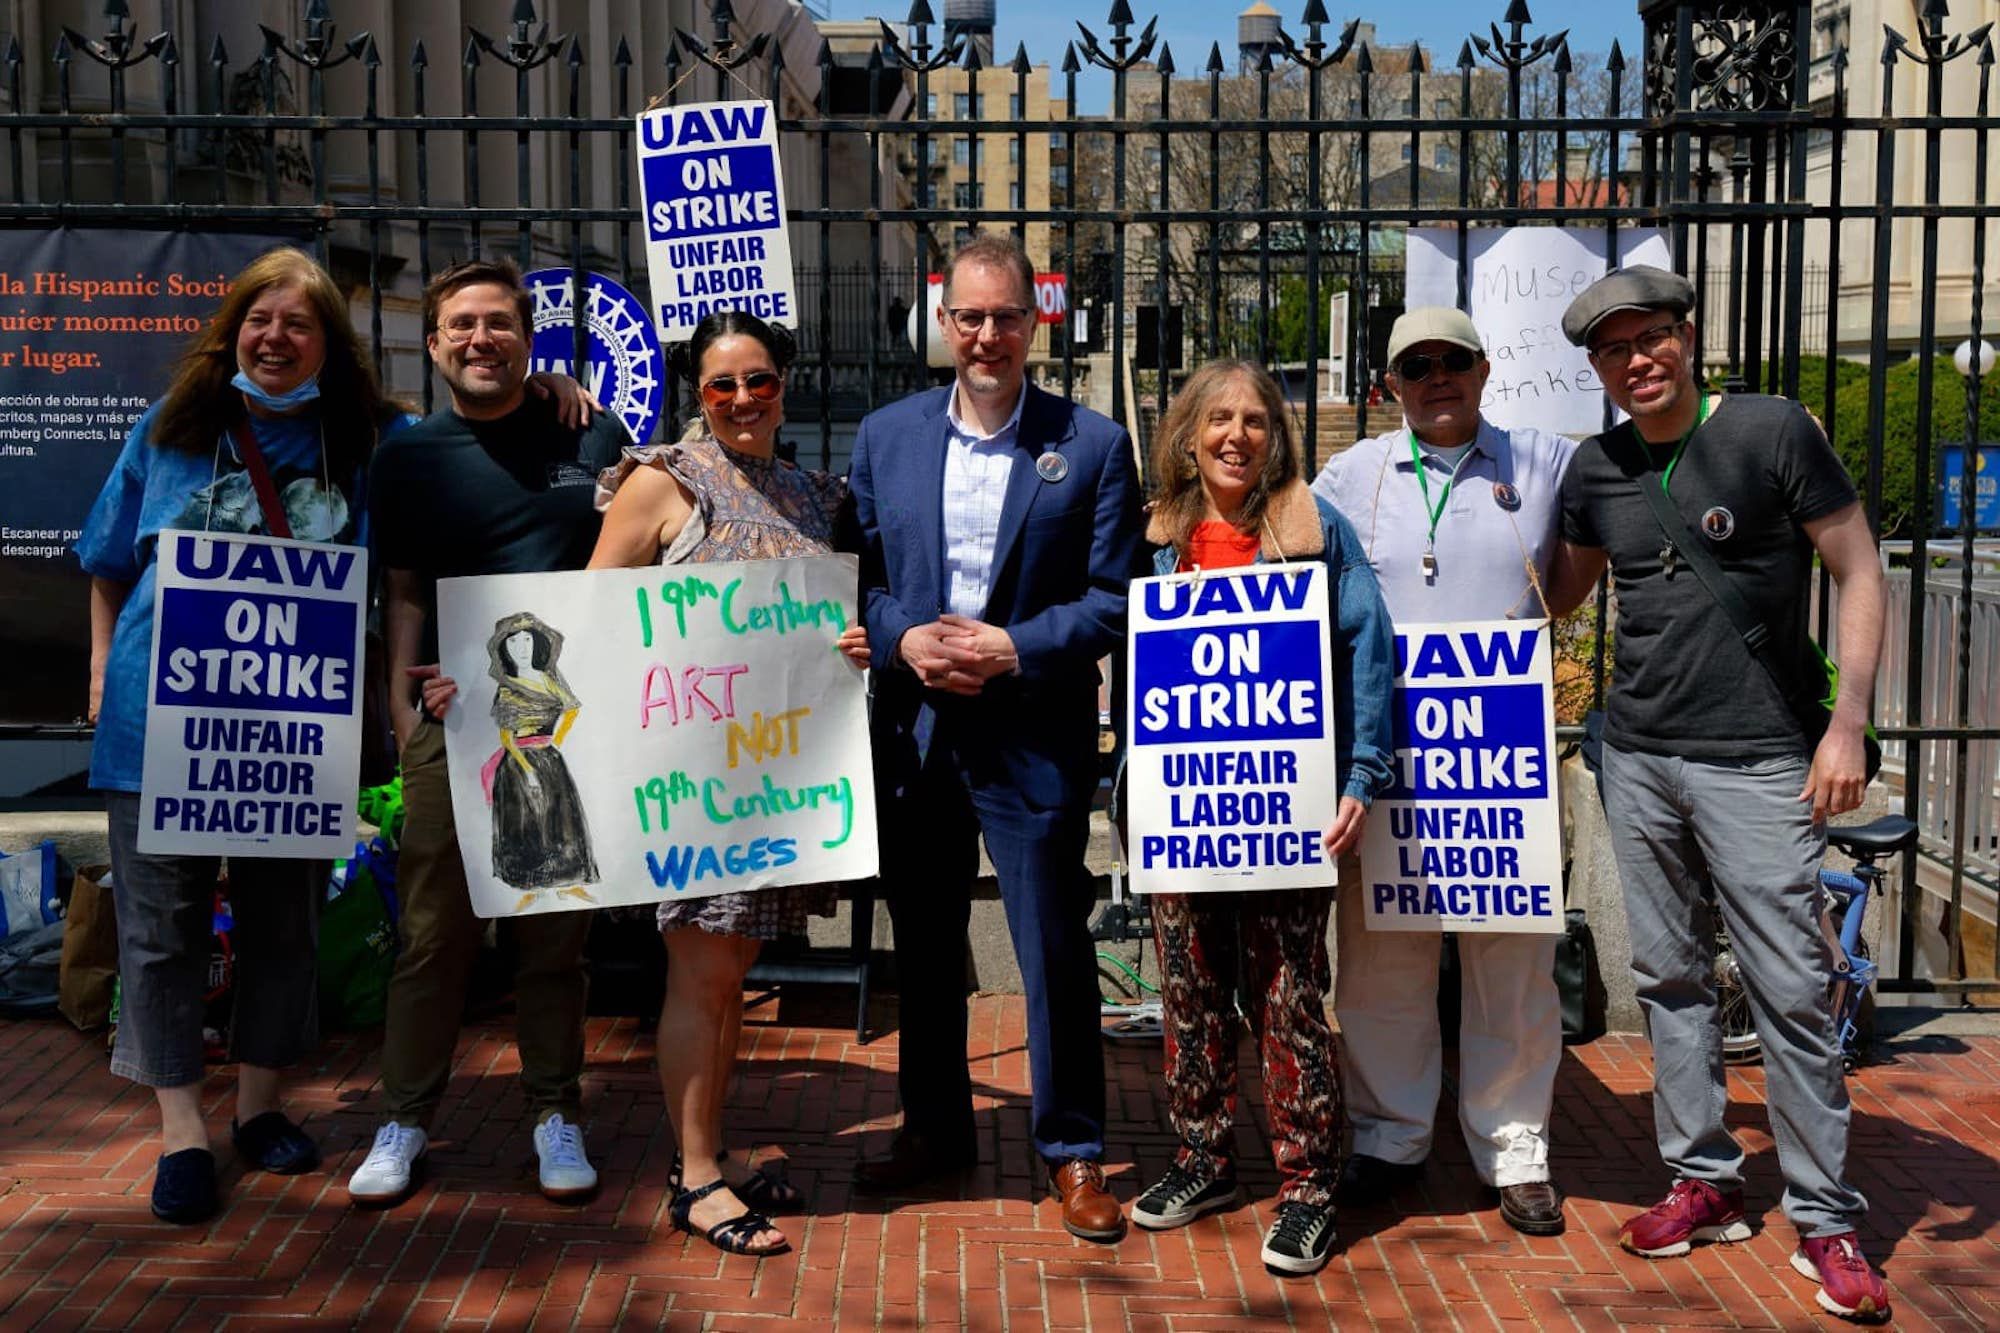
[
  {"x": 1534, "y": 1208},
  {"x": 912, "y": 1160},
  {"x": 1088, "y": 1210}
]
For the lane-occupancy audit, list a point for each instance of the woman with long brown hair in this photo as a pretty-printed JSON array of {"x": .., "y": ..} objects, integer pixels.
[
  {"x": 1228, "y": 490},
  {"x": 276, "y": 384}
]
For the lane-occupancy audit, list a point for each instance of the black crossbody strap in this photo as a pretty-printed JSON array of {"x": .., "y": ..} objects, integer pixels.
[{"x": 1689, "y": 546}]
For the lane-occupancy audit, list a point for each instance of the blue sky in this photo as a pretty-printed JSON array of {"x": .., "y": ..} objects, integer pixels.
[{"x": 1191, "y": 26}]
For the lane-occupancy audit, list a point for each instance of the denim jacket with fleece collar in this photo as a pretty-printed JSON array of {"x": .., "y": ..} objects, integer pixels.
[{"x": 1300, "y": 526}]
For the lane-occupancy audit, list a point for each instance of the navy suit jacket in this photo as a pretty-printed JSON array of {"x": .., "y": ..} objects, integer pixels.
[{"x": 1063, "y": 560}]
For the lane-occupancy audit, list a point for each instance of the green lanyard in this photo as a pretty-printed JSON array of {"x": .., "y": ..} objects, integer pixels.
[
  {"x": 1436, "y": 511},
  {"x": 1667, "y": 477}
]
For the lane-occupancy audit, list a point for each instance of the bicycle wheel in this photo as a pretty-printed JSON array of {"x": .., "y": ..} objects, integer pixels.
[{"x": 1740, "y": 1043}]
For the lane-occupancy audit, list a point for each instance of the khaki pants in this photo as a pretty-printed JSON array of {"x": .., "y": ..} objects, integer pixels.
[{"x": 440, "y": 940}]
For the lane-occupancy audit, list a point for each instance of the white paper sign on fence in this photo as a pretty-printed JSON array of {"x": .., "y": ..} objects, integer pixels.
[
  {"x": 712, "y": 194},
  {"x": 1469, "y": 837},
  {"x": 633, "y": 735},
  {"x": 1522, "y": 280},
  {"x": 1231, "y": 772},
  {"x": 253, "y": 728}
]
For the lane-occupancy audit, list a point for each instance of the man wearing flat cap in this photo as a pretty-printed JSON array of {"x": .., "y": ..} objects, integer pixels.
[
  {"x": 1714, "y": 766},
  {"x": 1452, "y": 511}
]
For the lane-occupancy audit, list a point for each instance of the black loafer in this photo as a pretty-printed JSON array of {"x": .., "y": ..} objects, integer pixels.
[
  {"x": 1533, "y": 1208},
  {"x": 270, "y": 1142},
  {"x": 1366, "y": 1181},
  {"x": 184, "y": 1187}
]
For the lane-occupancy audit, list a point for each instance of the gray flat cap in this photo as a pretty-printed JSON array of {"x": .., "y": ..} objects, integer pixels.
[{"x": 1640, "y": 287}]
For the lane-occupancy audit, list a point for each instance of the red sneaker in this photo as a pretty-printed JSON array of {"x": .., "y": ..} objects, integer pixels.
[
  {"x": 1693, "y": 1210},
  {"x": 1847, "y": 1285}
]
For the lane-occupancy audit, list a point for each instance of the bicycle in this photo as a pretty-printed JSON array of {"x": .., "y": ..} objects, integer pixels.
[{"x": 1843, "y": 909}]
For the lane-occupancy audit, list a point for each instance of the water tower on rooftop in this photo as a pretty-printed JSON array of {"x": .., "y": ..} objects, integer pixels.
[
  {"x": 1259, "y": 33},
  {"x": 973, "y": 18}
]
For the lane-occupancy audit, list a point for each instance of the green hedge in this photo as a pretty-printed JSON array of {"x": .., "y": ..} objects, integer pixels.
[{"x": 1899, "y": 435}]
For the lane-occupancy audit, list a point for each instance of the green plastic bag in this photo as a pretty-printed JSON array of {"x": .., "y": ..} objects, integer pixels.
[{"x": 357, "y": 939}]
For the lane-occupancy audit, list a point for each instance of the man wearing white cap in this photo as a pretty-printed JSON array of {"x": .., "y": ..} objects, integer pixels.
[{"x": 1460, "y": 519}]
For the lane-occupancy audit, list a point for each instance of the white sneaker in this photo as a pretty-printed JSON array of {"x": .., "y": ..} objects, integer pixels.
[
  {"x": 566, "y": 1173},
  {"x": 386, "y": 1174}
]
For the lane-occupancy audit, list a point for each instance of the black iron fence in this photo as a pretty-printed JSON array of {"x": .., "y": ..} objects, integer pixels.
[{"x": 1832, "y": 201}]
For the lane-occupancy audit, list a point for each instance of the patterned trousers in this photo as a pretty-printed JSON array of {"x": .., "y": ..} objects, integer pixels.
[{"x": 1276, "y": 942}]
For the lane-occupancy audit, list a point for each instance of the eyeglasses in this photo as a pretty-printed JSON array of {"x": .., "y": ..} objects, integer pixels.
[
  {"x": 1650, "y": 343},
  {"x": 1417, "y": 368},
  {"x": 500, "y": 328},
  {"x": 1007, "y": 319},
  {"x": 762, "y": 385}
]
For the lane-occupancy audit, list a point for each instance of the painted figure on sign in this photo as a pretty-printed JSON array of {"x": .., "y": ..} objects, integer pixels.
[{"x": 539, "y": 838}]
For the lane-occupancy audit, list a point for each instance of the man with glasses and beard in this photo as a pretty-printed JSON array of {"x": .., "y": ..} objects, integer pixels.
[
  {"x": 495, "y": 483},
  {"x": 1000, "y": 527},
  {"x": 1719, "y": 763},
  {"x": 1459, "y": 518}
]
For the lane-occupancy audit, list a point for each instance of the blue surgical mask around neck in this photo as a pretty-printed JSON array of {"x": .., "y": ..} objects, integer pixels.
[{"x": 289, "y": 401}]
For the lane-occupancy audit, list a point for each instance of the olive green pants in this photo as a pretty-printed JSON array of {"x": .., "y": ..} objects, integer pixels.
[{"x": 440, "y": 941}]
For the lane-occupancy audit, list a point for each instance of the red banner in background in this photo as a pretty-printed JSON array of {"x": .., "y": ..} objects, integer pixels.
[{"x": 1051, "y": 296}]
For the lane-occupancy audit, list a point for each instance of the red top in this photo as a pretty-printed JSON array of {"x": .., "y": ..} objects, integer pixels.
[{"x": 1217, "y": 545}]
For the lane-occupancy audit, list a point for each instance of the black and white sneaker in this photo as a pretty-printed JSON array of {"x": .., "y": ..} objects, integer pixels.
[
  {"x": 1181, "y": 1195},
  {"x": 1302, "y": 1241}
]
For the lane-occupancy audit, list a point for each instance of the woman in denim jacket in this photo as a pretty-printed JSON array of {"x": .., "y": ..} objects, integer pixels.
[{"x": 1228, "y": 490}]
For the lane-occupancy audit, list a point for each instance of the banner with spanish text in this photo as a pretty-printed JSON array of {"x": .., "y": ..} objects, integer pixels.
[
  {"x": 634, "y": 735},
  {"x": 91, "y": 323},
  {"x": 1231, "y": 773},
  {"x": 1469, "y": 835}
]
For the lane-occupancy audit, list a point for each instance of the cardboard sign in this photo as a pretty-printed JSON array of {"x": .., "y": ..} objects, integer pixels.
[
  {"x": 632, "y": 735},
  {"x": 712, "y": 195},
  {"x": 1469, "y": 836},
  {"x": 253, "y": 731},
  {"x": 1522, "y": 280},
  {"x": 1231, "y": 771}
]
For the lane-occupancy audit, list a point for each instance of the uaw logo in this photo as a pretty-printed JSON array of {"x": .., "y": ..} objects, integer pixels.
[{"x": 622, "y": 367}]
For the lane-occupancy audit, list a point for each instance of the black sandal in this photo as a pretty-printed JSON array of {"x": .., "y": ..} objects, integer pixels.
[
  {"x": 766, "y": 1189},
  {"x": 731, "y": 1236}
]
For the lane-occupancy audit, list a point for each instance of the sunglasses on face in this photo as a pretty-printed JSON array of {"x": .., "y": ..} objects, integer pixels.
[
  {"x": 1417, "y": 368},
  {"x": 762, "y": 385}
]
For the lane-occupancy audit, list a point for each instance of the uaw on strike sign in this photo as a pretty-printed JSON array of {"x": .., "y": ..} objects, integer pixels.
[
  {"x": 1231, "y": 773},
  {"x": 1469, "y": 837},
  {"x": 713, "y": 198},
  {"x": 253, "y": 728}
]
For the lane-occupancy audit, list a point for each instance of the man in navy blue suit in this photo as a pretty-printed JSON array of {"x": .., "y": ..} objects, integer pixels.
[{"x": 1001, "y": 526}]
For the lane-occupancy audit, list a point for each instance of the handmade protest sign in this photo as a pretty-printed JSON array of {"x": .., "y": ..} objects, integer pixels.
[
  {"x": 253, "y": 730},
  {"x": 1469, "y": 837},
  {"x": 1521, "y": 281},
  {"x": 629, "y": 735},
  {"x": 1230, "y": 768},
  {"x": 712, "y": 194}
]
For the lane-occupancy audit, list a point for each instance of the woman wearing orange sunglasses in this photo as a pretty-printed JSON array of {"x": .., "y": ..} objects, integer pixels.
[{"x": 722, "y": 495}]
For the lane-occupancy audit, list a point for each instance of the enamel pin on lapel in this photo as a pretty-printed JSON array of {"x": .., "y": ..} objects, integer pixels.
[{"x": 1051, "y": 467}]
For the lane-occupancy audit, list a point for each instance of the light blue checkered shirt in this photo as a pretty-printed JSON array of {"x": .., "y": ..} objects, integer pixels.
[{"x": 976, "y": 469}]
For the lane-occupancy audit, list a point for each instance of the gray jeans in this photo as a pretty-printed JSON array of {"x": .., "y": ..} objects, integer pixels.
[
  {"x": 166, "y": 910},
  {"x": 1738, "y": 825}
]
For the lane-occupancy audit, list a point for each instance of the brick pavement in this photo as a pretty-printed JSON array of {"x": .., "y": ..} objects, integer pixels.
[{"x": 477, "y": 1247}]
